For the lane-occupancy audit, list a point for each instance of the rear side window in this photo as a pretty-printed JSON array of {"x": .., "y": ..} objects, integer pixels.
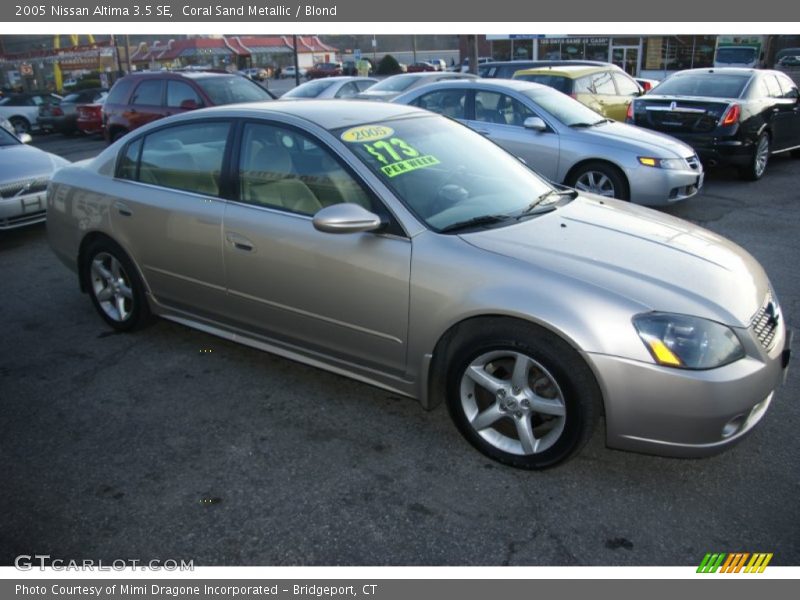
[
  {"x": 625, "y": 85},
  {"x": 129, "y": 161},
  {"x": 562, "y": 84},
  {"x": 148, "y": 93},
  {"x": 450, "y": 103},
  {"x": 773, "y": 87},
  {"x": 182, "y": 95},
  {"x": 184, "y": 157},
  {"x": 602, "y": 83},
  {"x": 120, "y": 91}
]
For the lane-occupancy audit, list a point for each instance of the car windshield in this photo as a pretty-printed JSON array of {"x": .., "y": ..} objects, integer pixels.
[
  {"x": 397, "y": 83},
  {"x": 703, "y": 84},
  {"x": 557, "y": 82},
  {"x": 312, "y": 89},
  {"x": 233, "y": 89},
  {"x": 445, "y": 173},
  {"x": 735, "y": 55},
  {"x": 6, "y": 139},
  {"x": 567, "y": 110}
]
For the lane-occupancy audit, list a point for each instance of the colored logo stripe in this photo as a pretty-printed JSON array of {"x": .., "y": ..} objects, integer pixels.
[{"x": 734, "y": 562}]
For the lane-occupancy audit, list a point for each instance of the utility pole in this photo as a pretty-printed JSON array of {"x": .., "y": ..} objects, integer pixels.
[
  {"x": 296, "y": 62},
  {"x": 473, "y": 53}
]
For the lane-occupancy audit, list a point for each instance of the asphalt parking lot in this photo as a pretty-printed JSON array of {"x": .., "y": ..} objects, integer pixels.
[{"x": 170, "y": 443}]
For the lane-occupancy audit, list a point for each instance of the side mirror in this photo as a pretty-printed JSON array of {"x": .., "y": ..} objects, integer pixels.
[
  {"x": 534, "y": 123},
  {"x": 189, "y": 105},
  {"x": 25, "y": 138},
  {"x": 346, "y": 218}
]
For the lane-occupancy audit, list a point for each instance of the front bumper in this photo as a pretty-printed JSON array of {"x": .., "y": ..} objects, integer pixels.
[
  {"x": 19, "y": 211},
  {"x": 653, "y": 186},
  {"x": 676, "y": 412}
]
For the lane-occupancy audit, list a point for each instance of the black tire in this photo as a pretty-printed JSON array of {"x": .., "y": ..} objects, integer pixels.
[
  {"x": 116, "y": 134},
  {"x": 621, "y": 190},
  {"x": 796, "y": 153},
  {"x": 754, "y": 169},
  {"x": 136, "y": 311},
  {"x": 575, "y": 389},
  {"x": 21, "y": 124}
]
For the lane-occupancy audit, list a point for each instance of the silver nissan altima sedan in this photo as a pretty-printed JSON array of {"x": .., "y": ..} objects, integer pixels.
[{"x": 400, "y": 248}]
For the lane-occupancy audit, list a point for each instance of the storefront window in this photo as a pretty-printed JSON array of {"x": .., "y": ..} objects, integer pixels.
[{"x": 587, "y": 48}]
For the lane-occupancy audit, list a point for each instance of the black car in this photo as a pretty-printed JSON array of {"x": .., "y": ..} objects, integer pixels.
[{"x": 737, "y": 117}]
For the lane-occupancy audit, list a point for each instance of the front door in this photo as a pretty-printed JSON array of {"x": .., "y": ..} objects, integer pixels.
[
  {"x": 500, "y": 118},
  {"x": 343, "y": 295}
]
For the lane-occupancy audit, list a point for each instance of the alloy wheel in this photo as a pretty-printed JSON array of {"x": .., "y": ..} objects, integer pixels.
[{"x": 111, "y": 287}]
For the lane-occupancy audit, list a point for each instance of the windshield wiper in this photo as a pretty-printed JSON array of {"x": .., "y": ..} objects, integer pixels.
[
  {"x": 475, "y": 222},
  {"x": 585, "y": 124},
  {"x": 549, "y": 194}
]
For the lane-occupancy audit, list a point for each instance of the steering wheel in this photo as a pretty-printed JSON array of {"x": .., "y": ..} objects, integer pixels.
[{"x": 448, "y": 194}]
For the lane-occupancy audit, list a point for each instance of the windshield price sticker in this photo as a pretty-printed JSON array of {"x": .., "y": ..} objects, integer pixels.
[
  {"x": 367, "y": 133},
  {"x": 395, "y": 155},
  {"x": 411, "y": 164}
]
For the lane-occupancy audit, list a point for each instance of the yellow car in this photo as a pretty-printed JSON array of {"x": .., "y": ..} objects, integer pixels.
[{"x": 606, "y": 90}]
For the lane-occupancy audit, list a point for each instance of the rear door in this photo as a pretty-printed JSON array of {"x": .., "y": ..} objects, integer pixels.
[
  {"x": 782, "y": 114},
  {"x": 146, "y": 103},
  {"x": 790, "y": 92},
  {"x": 168, "y": 213}
]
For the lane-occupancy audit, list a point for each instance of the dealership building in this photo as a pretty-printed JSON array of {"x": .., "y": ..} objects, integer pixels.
[{"x": 653, "y": 56}]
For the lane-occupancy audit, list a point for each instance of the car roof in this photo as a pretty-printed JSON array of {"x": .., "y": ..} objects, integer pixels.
[
  {"x": 516, "y": 85},
  {"x": 179, "y": 74},
  {"x": 341, "y": 78},
  {"x": 569, "y": 71},
  {"x": 719, "y": 71},
  {"x": 328, "y": 114}
]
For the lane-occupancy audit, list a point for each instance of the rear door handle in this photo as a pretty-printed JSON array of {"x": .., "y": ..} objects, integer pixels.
[
  {"x": 239, "y": 242},
  {"x": 123, "y": 209}
]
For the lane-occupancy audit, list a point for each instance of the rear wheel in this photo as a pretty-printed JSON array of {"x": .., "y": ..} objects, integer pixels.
[
  {"x": 600, "y": 178},
  {"x": 521, "y": 395},
  {"x": 114, "y": 285},
  {"x": 758, "y": 162},
  {"x": 116, "y": 134}
]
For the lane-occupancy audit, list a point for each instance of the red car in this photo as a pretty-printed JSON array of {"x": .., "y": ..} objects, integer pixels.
[
  {"x": 328, "y": 69},
  {"x": 140, "y": 98},
  {"x": 420, "y": 67},
  {"x": 90, "y": 118}
]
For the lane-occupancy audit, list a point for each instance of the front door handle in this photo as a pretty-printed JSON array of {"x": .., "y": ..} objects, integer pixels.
[
  {"x": 483, "y": 131},
  {"x": 239, "y": 242}
]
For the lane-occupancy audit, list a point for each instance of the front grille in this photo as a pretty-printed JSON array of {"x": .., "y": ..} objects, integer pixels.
[
  {"x": 24, "y": 187},
  {"x": 764, "y": 324}
]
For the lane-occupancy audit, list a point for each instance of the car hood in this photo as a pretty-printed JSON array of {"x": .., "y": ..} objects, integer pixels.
[
  {"x": 657, "y": 261},
  {"x": 19, "y": 162},
  {"x": 614, "y": 134}
]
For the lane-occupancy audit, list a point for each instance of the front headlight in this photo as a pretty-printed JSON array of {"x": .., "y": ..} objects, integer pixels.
[
  {"x": 687, "y": 342},
  {"x": 663, "y": 163}
]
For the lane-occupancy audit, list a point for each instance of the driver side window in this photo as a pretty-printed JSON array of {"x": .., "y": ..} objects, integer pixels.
[{"x": 283, "y": 169}]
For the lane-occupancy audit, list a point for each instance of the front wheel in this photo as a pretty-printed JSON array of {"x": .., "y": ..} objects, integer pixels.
[
  {"x": 20, "y": 124},
  {"x": 522, "y": 396},
  {"x": 600, "y": 178},
  {"x": 114, "y": 285},
  {"x": 758, "y": 162}
]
